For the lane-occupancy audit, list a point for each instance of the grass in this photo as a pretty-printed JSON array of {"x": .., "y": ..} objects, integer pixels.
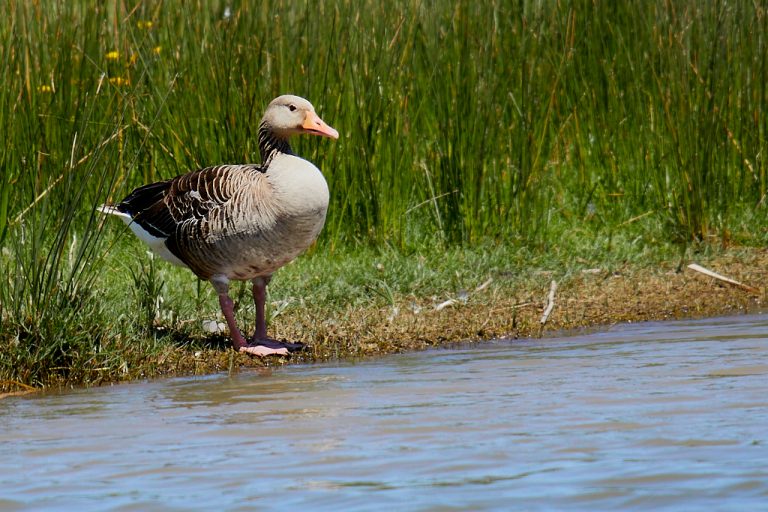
[{"x": 475, "y": 135}]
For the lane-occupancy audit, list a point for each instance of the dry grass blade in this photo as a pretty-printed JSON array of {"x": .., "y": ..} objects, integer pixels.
[
  {"x": 715, "y": 275},
  {"x": 550, "y": 304}
]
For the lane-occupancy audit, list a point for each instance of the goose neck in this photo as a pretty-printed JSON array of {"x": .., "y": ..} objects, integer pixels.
[{"x": 271, "y": 144}]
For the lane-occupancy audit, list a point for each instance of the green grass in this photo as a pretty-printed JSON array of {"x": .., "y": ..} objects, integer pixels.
[{"x": 472, "y": 132}]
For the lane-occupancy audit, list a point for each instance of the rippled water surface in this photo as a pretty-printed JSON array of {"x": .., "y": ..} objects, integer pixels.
[{"x": 646, "y": 417}]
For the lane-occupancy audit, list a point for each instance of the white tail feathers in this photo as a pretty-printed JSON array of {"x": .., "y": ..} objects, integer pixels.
[
  {"x": 155, "y": 243},
  {"x": 108, "y": 209}
]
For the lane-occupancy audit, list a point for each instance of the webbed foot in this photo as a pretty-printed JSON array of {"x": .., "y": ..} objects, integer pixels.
[
  {"x": 274, "y": 344},
  {"x": 262, "y": 350}
]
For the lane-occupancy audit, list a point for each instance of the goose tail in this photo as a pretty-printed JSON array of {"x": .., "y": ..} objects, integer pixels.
[{"x": 110, "y": 209}]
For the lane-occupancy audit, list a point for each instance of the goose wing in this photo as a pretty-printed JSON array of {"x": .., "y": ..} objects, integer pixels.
[{"x": 160, "y": 208}]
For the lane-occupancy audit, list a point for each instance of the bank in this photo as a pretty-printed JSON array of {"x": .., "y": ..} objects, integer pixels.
[{"x": 499, "y": 303}]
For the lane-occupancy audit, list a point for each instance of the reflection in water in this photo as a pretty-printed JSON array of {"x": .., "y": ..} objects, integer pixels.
[{"x": 644, "y": 416}]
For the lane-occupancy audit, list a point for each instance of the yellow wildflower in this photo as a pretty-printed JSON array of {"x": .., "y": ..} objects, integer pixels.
[
  {"x": 118, "y": 80},
  {"x": 157, "y": 49},
  {"x": 113, "y": 55},
  {"x": 141, "y": 24},
  {"x": 44, "y": 88}
]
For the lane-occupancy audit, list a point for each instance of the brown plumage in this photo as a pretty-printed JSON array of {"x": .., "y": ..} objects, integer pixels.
[{"x": 239, "y": 221}]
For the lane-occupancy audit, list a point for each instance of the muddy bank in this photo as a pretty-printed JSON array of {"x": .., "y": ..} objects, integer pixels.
[
  {"x": 588, "y": 298},
  {"x": 499, "y": 307}
]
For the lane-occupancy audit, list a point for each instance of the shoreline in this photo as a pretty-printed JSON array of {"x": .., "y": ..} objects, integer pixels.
[{"x": 586, "y": 299}]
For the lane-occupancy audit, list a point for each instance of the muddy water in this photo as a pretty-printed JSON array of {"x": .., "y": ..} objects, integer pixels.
[{"x": 641, "y": 417}]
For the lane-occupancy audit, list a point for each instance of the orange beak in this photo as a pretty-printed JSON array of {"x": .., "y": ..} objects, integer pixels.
[{"x": 313, "y": 124}]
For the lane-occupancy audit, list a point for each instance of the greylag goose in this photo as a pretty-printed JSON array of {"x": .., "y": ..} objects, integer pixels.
[{"x": 239, "y": 222}]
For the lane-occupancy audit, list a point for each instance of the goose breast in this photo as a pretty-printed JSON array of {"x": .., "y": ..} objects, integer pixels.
[{"x": 262, "y": 225}]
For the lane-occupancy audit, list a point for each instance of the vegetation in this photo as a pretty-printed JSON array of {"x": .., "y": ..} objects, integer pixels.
[{"x": 476, "y": 136}]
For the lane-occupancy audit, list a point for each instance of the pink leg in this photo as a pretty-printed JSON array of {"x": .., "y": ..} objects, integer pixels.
[
  {"x": 228, "y": 308},
  {"x": 260, "y": 299},
  {"x": 238, "y": 341},
  {"x": 260, "y": 337}
]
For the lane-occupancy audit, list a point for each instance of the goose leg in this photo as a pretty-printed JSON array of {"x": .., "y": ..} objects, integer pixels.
[
  {"x": 260, "y": 299},
  {"x": 260, "y": 337},
  {"x": 221, "y": 285}
]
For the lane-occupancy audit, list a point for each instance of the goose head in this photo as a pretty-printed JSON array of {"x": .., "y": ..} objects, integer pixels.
[{"x": 289, "y": 115}]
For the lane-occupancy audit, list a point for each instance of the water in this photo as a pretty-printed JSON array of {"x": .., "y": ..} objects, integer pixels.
[{"x": 642, "y": 417}]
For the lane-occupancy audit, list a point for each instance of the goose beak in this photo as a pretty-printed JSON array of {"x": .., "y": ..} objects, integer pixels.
[{"x": 314, "y": 125}]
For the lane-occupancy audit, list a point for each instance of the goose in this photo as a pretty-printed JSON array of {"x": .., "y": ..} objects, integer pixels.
[{"x": 239, "y": 222}]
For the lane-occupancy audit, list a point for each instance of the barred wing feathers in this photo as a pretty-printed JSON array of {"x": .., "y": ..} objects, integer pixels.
[{"x": 174, "y": 216}]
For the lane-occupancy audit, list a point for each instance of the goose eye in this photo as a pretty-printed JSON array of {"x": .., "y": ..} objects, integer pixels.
[{"x": 292, "y": 107}]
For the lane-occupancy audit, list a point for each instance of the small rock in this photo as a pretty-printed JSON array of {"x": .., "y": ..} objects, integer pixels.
[{"x": 213, "y": 326}]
